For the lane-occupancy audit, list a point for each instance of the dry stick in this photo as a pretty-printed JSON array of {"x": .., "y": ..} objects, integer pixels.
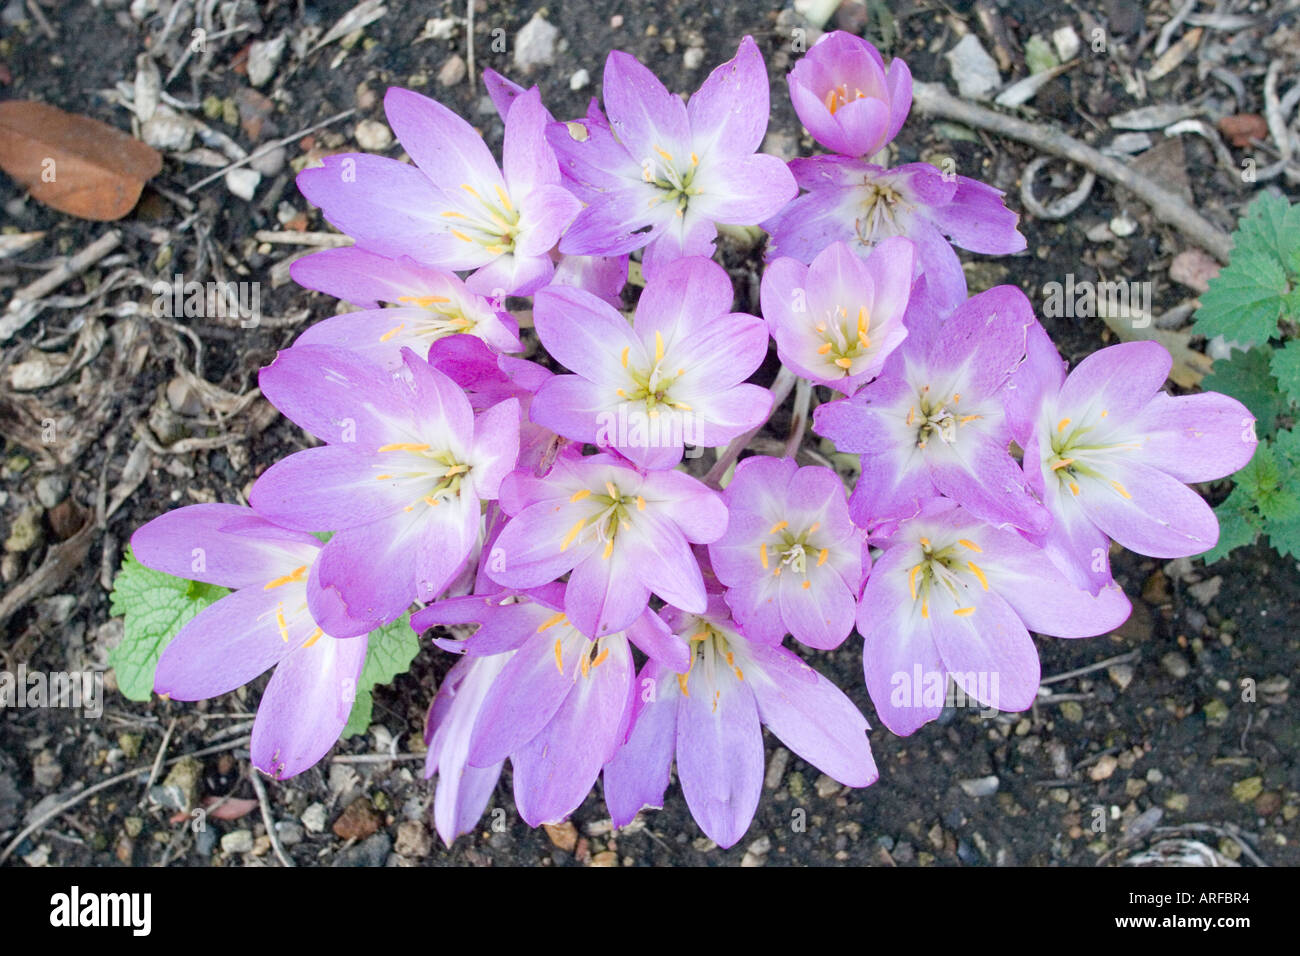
[
  {"x": 1165, "y": 206},
  {"x": 376, "y": 758},
  {"x": 1080, "y": 671},
  {"x": 157, "y": 761},
  {"x": 469, "y": 41},
  {"x": 276, "y": 144},
  {"x": 265, "y": 802},
  {"x": 61, "y": 273},
  {"x": 292, "y": 237},
  {"x": 781, "y": 387},
  {"x": 50, "y": 814}
]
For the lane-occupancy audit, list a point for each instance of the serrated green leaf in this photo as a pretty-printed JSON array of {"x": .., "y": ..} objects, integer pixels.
[
  {"x": 154, "y": 607},
  {"x": 1285, "y": 366},
  {"x": 1238, "y": 525},
  {"x": 1284, "y": 536},
  {"x": 1246, "y": 300},
  {"x": 1248, "y": 378},
  {"x": 389, "y": 652},
  {"x": 363, "y": 709}
]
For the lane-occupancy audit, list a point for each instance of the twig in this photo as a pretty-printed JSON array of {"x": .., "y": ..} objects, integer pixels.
[
  {"x": 275, "y": 144},
  {"x": 39, "y": 16},
  {"x": 781, "y": 387},
  {"x": 1165, "y": 205},
  {"x": 1100, "y": 665},
  {"x": 72, "y": 266},
  {"x": 294, "y": 237},
  {"x": 469, "y": 42},
  {"x": 62, "y": 808},
  {"x": 260, "y": 788},
  {"x": 157, "y": 760},
  {"x": 375, "y": 758}
]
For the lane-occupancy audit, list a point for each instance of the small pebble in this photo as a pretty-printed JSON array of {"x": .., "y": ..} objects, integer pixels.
[
  {"x": 452, "y": 71},
  {"x": 1175, "y": 665},
  {"x": 313, "y": 818},
  {"x": 579, "y": 80},
  {"x": 373, "y": 136},
  {"x": 237, "y": 841}
]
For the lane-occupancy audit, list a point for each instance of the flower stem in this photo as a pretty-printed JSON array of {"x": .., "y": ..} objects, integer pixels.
[
  {"x": 802, "y": 400},
  {"x": 781, "y": 388}
]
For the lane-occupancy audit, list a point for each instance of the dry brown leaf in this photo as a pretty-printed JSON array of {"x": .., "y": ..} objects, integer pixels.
[
  {"x": 1190, "y": 366},
  {"x": 74, "y": 163}
]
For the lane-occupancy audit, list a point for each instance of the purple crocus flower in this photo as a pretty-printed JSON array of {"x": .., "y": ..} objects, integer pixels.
[
  {"x": 430, "y": 304},
  {"x": 854, "y": 202},
  {"x": 791, "y": 559},
  {"x": 266, "y": 623},
  {"x": 558, "y": 705},
  {"x": 624, "y": 533},
  {"x": 953, "y": 596},
  {"x": 489, "y": 379},
  {"x": 711, "y": 717},
  {"x": 463, "y": 791},
  {"x": 836, "y": 321},
  {"x": 1110, "y": 454},
  {"x": 454, "y": 209},
  {"x": 934, "y": 423},
  {"x": 400, "y": 481},
  {"x": 661, "y": 173},
  {"x": 672, "y": 377},
  {"x": 845, "y": 97}
]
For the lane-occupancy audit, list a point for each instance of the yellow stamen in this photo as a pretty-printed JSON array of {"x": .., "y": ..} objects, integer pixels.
[
  {"x": 979, "y": 573},
  {"x": 822, "y": 556},
  {"x": 404, "y": 446},
  {"x": 844, "y": 363},
  {"x": 505, "y": 200},
  {"x": 316, "y": 635},
  {"x": 666, "y": 155},
  {"x": 600, "y": 658},
  {"x": 469, "y": 189},
  {"x": 963, "y": 611},
  {"x": 382, "y": 477},
  {"x": 626, "y": 349},
  {"x": 970, "y": 545},
  {"x": 573, "y": 533},
  {"x": 431, "y": 501},
  {"x": 551, "y": 621},
  {"x": 1074, "y": 488},
  {"x": 461, "y": 236},
  {"x": 294, "y": 575},
  {"x": 807, "y": 585},
  {"x": 456, "y": 470},
  {"x": 620, "y": 393},
  {"x": 967, "y": 419},
  {"x": 559, "y": 656},
  {"x": 640, "y": 503},
  {"x": 823, "y": 348},
  {"x": 584, "y": 662},
  {"x": 911, "y": 414},
  {"x": 279, "y": 622},
  {"x": 812, "y": 529},
  {"x": 453, "y": 214},
  {"x": 609, "y": 549},
  {"x": 911, "y": 580},
  {"x": 1063, "y": 463},
  {"x": 391, "y": 332},
  {"x": 695, "y": 160},
  {"x": 1060, "y": 426},
  {"x": 1120, "y": 488},
  {"x": 779, "y": 526},
  {"x": 925, "y": 610},
  {"x": 659, "y": 346},
  {"x": 925, "y": 543},
  {"x": 579, "y": 495},
  {"x": 762, "y": 555},
  {"x": 613, "y": 492},
  {"x": 700, "y": 635},
  {"x": 681, "y": 682}
]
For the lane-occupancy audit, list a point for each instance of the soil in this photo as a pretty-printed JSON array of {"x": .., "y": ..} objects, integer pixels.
[{"x": 1196, "y": 724}]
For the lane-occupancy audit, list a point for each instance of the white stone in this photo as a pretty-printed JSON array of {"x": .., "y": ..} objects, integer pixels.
[
  {"x": 263, "y": 58},
  {"x": 373, "y": 136},
  {"x": 579, "y": 80},
  {"x": 243, "y": 182},
  {"x": 1066, "y": 42},
  {"x": 535, "y": 44},
  {"x": 976, "y": 74}
]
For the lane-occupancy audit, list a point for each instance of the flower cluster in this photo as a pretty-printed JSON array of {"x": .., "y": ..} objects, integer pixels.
[{"x": 619, "y": 605}]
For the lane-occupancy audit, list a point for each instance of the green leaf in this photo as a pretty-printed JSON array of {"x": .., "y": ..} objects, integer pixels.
[
  {"x": 1247, "y": 377},
  {"x": 155, "y": 606},
  {"x": 1238, "y": 525},
  {"x": 390, "y": 650},
  {"x": 1284, "y": 536},
  {"x": 1285, "y": 366},
  {"x": 1246, "y": 300}
]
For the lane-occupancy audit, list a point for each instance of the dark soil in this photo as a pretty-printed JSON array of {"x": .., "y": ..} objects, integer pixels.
[{"x": 1177, "y": 732}]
